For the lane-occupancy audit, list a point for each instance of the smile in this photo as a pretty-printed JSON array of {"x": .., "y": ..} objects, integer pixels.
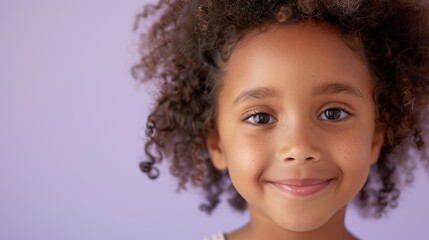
[{"x": 302, "y": 187}]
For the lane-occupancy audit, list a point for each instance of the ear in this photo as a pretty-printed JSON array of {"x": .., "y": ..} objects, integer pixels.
[
  {"x": 377, "y": 141},
  {"x": 215, "y": 150}
]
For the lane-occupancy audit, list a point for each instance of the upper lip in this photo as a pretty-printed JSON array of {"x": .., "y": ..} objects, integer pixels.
[{"x": 302, "y": 182}]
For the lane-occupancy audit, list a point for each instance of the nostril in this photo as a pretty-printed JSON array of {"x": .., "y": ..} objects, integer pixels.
[{"x": 305, "y": 159}]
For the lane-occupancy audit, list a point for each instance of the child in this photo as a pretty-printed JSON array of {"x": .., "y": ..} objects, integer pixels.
[{"x": 292, "y": 108}]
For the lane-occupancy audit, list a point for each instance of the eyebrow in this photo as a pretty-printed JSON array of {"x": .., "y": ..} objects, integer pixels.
[
  {"x": 256, "y": 93},
  {"x": 326, "y": 89},
  {"x": 336, "y": 88}
]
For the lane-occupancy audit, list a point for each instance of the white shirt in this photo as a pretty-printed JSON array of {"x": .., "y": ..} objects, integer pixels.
[{"x": 218, "y": 236}]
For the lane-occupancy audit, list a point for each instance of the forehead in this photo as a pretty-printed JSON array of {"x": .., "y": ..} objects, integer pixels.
[
  {"x": 309, "y": 47},
  {"x": 312, "y": 35}
]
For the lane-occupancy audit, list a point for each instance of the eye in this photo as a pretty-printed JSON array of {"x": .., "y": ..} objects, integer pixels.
[
  {"x": 333, "y": 114},
  {"x": 260, "y": 118}
]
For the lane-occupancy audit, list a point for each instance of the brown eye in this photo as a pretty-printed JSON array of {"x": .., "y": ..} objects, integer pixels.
[
  {"x": 260, "y": 118},
  {"x": 333, "y": 114}
]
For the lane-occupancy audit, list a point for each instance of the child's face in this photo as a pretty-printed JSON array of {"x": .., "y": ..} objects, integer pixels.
[{"x": 296, "y": 124}]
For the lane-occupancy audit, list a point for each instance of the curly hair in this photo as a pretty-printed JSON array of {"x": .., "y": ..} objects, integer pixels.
[{"x": 183, "y": 50}]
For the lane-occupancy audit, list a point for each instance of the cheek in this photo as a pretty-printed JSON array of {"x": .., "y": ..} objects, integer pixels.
[
  {"x": 247, "y": 158},
  {"x": 250, "y": 154},
  {"x": 353, "y": 158}
]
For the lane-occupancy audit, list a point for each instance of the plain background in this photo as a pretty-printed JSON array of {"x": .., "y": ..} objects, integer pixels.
[{"x": 71, "y": 136}]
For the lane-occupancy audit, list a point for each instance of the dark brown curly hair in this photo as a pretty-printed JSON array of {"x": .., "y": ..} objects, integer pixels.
[{"x": 188, "y": 40}]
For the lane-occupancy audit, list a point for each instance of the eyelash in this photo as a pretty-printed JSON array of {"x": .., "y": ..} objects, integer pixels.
[
  {"x": 322, "y": 116},
  {"x": 343, "y": 114},
  {"x": 260, "y": 114}
]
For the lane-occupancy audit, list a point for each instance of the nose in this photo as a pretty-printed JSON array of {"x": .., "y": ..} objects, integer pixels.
[{"x": 299, "y": 142}]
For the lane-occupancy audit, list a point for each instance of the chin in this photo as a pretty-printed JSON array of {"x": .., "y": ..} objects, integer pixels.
[{"x": 303, "y": 223}]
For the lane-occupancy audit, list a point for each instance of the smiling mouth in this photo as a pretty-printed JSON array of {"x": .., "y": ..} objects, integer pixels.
[{"x": 302, "y": 187}]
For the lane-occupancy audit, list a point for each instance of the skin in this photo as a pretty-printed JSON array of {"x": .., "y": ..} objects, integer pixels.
[{"x": 296, "y": 102}]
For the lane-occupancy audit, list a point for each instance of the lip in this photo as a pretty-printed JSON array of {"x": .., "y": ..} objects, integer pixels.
[{"x": 302, "y": 187}]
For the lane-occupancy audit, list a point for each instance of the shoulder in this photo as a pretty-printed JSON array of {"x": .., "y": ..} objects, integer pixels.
[{"x": 218, "y": 236}]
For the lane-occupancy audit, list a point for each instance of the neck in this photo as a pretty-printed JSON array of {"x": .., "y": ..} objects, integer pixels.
[{"x": 260, "y": 228}]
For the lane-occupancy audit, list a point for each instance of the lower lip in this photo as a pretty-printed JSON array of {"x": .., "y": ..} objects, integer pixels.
[{"x": 305, "y": 190}]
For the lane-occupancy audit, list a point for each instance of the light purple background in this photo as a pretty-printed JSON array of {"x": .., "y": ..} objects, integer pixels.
[{"x": 71, "y": 130}]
